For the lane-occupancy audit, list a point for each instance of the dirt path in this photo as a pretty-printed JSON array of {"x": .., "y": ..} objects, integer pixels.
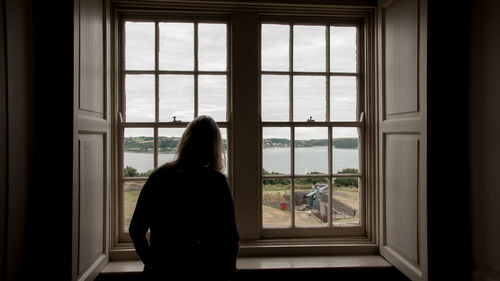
[{"x": 273, "y": 217}]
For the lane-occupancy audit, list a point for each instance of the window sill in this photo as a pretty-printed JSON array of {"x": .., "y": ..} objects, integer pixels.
[{"x": 274, "y": 263}]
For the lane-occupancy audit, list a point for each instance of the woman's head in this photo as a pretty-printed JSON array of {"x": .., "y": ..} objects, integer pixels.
[{"x": 201, "y": 144}]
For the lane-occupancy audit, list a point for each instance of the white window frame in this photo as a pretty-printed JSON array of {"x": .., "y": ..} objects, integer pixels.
[
  {"x": 246, "y": 179},
  {"x": 157, "y": 124},
  {"x": 329, "y": 230}
]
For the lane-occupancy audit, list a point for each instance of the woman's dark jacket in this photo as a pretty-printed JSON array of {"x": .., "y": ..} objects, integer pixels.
[{"x": 190, "y": 215}]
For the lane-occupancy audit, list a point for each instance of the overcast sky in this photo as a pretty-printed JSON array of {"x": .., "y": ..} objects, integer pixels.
[{"x": 176, "y": 52}]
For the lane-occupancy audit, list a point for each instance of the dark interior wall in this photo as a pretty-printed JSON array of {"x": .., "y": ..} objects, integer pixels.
[
  {"x": 449, "y": 246},
  {"x": 48, "y": 242},
  {"x": 36, "y": 235},
  {"x": 19, "y": 91},
  {"x": 485, "y": 137}
]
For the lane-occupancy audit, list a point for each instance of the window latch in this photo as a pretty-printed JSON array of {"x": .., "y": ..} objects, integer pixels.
[{"x": 310, "y": 120}]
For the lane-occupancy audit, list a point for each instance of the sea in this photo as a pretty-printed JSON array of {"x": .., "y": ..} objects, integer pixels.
[{"x": 307, "y": 159}]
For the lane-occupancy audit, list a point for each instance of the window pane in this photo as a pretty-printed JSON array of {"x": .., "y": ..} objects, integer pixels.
[
  {"x": 176, "y": 98},
  {"x": 138, "y": 148},
  {"x": 275, "y": 150},
  {"x": 131, "y": 190},
  {"x": 139, "y": 46},
  {"x": 168, "y": 139},
  {"x": 212, "y": 45},
  {"x": 275, "y": 47},
  {"x": 176, "y": 46},
  {"x": 212, "y": 96},
  {"x": 275, "y": 99},
  {"x": 345, "y": 201},
  {"x": 223, "y": 132},
  {"x": 345, "y": 150},
  {"x": 140, "y": 98},
  {"x": 309, "y": 48},
  {"x": 311, "y": 202},
  {"x": 343, "y": 101},
  {"x": 311, "y": 150},
  {"x": 276, "y": 203},
  {"x": 343, "y": 49},
  {"x": 309, "y": 98}
]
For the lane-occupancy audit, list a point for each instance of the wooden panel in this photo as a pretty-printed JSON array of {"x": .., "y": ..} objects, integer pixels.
[
  {"x": 91, "y": 96},
  {"x": 403, "y": 135},
  {"x": 401, "y": 195},
  {"x": 92, "y": 186},
  {"x": 400, "y": 57}
]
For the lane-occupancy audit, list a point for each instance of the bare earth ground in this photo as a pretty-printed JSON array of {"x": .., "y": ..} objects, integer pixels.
[{"x": 272, "y": 217}]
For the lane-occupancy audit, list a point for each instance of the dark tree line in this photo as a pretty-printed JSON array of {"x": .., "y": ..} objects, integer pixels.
[{"x": 338, "y": 182}]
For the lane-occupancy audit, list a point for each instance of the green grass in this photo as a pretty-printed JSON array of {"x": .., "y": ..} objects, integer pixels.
[{"x": 129, "y": 201}]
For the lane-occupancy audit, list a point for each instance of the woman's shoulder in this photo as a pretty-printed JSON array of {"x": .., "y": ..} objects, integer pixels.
[{"x": 214, "y": 173}]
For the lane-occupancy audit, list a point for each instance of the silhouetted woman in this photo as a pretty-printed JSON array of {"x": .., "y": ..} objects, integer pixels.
[{"x": 187, "y": 206}]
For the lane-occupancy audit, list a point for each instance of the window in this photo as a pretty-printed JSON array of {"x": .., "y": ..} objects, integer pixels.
[
  {"x": 310, "y": 108},
  {"x": 293, "y": 93},
  {"x": 172, "y": 71}
]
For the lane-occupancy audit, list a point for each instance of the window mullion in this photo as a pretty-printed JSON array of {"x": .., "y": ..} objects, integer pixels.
[
  {"x": 330, "y": 129},
  {"x": 292, "y": 131},
  {"x": 196, "y": 69},
  {"x": 157, "y": 94},
  {"x": 327, "y": 62}
]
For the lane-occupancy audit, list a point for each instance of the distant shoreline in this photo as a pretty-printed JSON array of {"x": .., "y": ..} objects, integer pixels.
[{"x": 269, "y": 147}]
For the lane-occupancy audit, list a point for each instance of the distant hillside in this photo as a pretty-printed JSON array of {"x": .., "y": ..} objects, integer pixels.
[
  {"x": 338, "y": 142},
  {"x": 166, "y": 144},
  {"x": 144, "y": 144}
]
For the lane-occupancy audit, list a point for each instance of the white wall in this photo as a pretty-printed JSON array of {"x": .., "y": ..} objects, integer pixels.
[{"x": 485, "y": 138}]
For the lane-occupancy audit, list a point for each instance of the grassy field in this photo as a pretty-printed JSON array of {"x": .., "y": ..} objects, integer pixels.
[{"x": 129, "y": 200}]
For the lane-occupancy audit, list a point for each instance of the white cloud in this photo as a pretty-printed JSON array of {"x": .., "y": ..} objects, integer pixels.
[
  {"x": 212, "y": 96},
  {"x": 176, "y": 46},
  {"x": 212, "y": 46},
  {"x": 275, "y": 98},
  {"x": 343, "y": 49},
  {"x": 275, "y": 47},
  {"x": 309, "y": 48},
  {"x": 140, "y": 98},
  {"x": 176, "y": 97},
  {"x": 140, "y": 45},
  {"x": 309, "y": 98},
  {"x": 177, "y": 91}
]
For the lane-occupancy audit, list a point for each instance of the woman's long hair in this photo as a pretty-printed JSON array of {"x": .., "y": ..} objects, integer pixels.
[{"x": 200, "y": 145}]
